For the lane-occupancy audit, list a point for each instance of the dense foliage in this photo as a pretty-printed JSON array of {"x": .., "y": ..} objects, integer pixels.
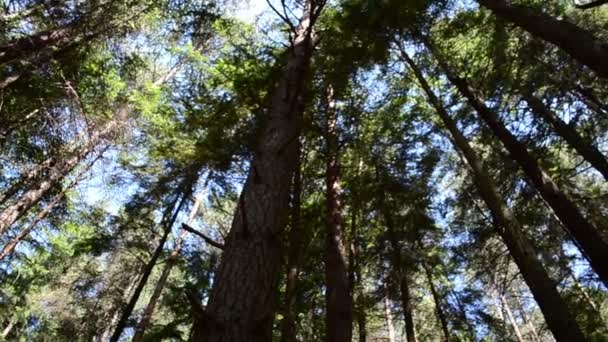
[{"x": 352, "y": 170}]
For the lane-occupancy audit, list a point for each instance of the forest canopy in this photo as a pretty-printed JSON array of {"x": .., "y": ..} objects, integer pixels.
[{"x": 304, "y": 170}]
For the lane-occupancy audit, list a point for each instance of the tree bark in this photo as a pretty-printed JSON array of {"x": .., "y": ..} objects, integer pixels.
[
  {"x": 584, "y": 234},
  {"x": 577, "y": 42},
  {"x": 242, "y": 303},
  {"x": 560, "y": 321},
  {"x": 589, "y": 152},
  {"x": 288, "y": 325},
  {"x": 169, "y": 264},
  {"x": 169, "y": 217},
  {"x": 338, "y": 295},
  {"x": 438, "y": 303}
]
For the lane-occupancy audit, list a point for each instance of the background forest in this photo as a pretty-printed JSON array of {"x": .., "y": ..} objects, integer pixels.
[{"x": 303, "y": 170}]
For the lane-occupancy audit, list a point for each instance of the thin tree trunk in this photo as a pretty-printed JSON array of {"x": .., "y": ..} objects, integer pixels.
[
  {"x": 57, "y": 169},
  {"x": 582, "y": 290},
  {"x": 559, "y": 319},
  {"x": 524, "y": 317},
  {"x": 338, "y": 296},
  {"x": 589, "y": 152},
  {"x": 288, "y": 325},
  {"x": 169, "y": 218},
  {"x": 242, "y": 303},
  {"x": 9, "y": 327},
  {"x": 400, "y": 272},
  {"x": 511, "y": 318},
  {"x": 389, "y": 319},
  {"x": 358, "y": 287},
  {"x": 169, "y": 264},
  {"x": 438, "y": 303},
  {"x": 12, "y": 244},
  {"x": 57, "y": 172},
  {"x": 361, "y": 318},
  {"x": 581, "y": 44},
  {"x": 585, "y": 235}
]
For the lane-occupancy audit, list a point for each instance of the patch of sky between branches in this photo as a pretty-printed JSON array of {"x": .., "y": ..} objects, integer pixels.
[{"x": 248, "y": 11}]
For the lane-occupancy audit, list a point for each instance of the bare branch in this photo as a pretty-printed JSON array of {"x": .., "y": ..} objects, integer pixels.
[
  {"x": 283, "y": 17},
  {"x": 203, "y": 236}
]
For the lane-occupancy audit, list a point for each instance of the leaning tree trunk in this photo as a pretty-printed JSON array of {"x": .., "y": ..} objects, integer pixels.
[
  {"x": 401, "y": 273},
  {"x": 169, "y": 217},
  {"x": 12, "y": 244},
  {"x": 589, "y": 152},
  {"x": 438, "y": 303},
  {"x": 338, "y": 297},
  {"x": 242, "y": 303},
  {"x": 579, "y": 43},
  {"x": 57, "y": 171},
  {"x": 172, "y": 260},
  {"x": 583, "y": 232},
  {"x": 557, "y": 315},
  {"x": 288, "y": 325}
]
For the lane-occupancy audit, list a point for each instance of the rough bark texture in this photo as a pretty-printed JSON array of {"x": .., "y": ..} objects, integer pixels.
[
  {"x": 242, "y": 303},
  {"x": 589, "y": 152},
  {"x": 288, "y": 325},
  {"x": 579, "y": 43},
  {"x": 162, "y": 281},
  {"x": 338, "y": 296},
  {"x": 560, "y": 321}
]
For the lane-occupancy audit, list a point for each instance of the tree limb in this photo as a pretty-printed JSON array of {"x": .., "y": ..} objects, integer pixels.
[{"x": 203, "y": 236}]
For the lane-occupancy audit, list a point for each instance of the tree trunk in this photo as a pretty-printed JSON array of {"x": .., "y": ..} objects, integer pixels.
[
  {"x": 288, "y": 325},
  {"x": 338, "y": 296},
  {"x": 585, "y": 235},
  {"x": 579, "y": 43},
  {"x": 553, "y": 307},
  {"x": 388, "y": 315},
  {"x": 169, "y": 218},
  {"x": 400, "y": 271},
  {"x": 510, "y": 316},
  {"x": 589, "y": 152},
  {"x": 23, "y": 48},
  {"x": 12, "y": 244},
  {"x": 524, "y": 317},
  {"x": 242, "y": 303},
  {"x": 438, "y": 303},
  {"x": 58, "y": 170},
  {"x": 170, "y": 263},
  {"x": 358, "y": 287},
  {"x": 9, "y": 327},
  {"x": 361, "y": 319}
]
